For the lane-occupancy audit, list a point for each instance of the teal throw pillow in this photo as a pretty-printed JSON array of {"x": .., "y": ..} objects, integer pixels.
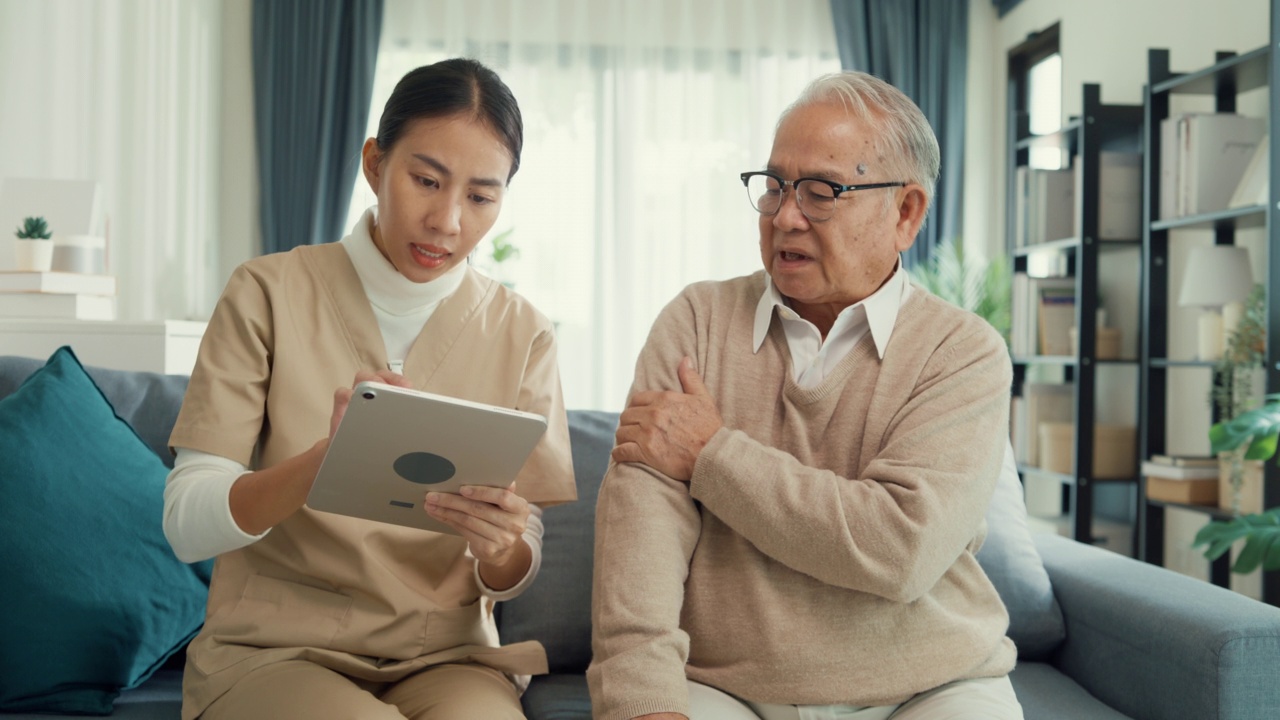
[{"x": 93, "y": 598}]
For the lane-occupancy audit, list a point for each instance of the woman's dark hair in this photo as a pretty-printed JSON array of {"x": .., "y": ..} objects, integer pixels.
[{"x": 450, "y": 87}]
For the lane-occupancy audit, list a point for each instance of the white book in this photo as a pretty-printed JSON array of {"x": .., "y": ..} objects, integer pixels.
[
  {"x": 1052, "y": 207},
  {"x": 1019, "y": 321},
  {"x": 1217, "y": 149},
  {"x": 57, "y": 305},
  {"x": 1252, "y": 189},
  {"x": 1173, "y": 472},
  {"x": 1119, "y": 196},
  {"x": 1036, "y": 289},
  {"x": 1168, "y": 168},
  {"x": 57, "y": 282},
  {"x": 1021, "y": 178}
]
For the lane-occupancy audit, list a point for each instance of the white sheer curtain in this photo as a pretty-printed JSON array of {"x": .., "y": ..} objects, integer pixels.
[
  {"x": 124, "y": 92},
  {"x": 638, "y": 118}
]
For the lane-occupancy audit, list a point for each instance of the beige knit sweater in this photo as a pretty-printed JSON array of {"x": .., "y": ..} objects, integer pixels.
[{"x": 823, "y": 552}]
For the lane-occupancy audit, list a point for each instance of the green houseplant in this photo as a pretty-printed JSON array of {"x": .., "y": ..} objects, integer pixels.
[
  {"x": 964, "y": 281},
  {"x": 33, "y": 250},
  {"x": 34, "y": 228},
  {"x": 1251, "y": 435}
]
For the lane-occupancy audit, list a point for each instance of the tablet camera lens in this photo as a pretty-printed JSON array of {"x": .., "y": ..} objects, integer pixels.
[{"x": 368, "y": 394}]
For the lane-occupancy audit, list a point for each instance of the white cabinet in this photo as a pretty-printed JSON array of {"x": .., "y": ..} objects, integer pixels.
[{"x": 162, "y": 346}]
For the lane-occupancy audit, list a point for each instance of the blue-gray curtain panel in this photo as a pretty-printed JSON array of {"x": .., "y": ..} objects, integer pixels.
[
  {"x": 1004, "y": 6},
  {"x": 922, "y": 48},
  {"x": 313, "y": 63}
]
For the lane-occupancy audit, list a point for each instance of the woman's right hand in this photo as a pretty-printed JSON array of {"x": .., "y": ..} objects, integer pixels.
[
  {"x": 260, "y": 500},
  {"x": 342, "y": 396}
]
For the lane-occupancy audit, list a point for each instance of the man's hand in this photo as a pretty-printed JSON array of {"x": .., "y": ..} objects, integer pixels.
[{"x": 667, "y": 430}]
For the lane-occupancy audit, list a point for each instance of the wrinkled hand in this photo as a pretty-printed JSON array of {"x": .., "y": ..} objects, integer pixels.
[
  {"x": 667, "y": 430},
  {"x": 491, "y": 520},
  {"x": 342, "y": 396}
]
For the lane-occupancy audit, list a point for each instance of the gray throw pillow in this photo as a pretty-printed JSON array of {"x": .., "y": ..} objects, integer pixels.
[{"x": 1011, "y": 560}]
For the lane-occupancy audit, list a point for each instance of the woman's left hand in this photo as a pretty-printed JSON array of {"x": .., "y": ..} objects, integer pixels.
[{"x": 491, "y": 519}]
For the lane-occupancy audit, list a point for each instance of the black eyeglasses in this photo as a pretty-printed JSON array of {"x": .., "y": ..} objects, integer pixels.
[{"x": 815, "y": 196}]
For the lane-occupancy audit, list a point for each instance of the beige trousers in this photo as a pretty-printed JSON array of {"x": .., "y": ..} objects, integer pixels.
[
  {"x": 301, "y": 690},
  {"x": 980, "y": 699}
]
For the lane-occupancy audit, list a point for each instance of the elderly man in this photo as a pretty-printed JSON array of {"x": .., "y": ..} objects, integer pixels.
[{"x": 800, "y": 478}]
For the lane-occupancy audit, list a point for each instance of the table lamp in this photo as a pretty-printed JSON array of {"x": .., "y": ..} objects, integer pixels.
[{"x": 1218, "y": 280}]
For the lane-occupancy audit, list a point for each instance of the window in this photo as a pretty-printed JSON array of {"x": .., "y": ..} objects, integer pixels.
[
  {"x": 1035, "y": 80},
  {"x": 638, "y": 119}
]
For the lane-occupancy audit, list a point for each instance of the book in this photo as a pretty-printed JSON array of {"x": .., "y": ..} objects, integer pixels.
[
  {"x": 1252, "y": 189},
  {"x": 1202, "y": 491},
  {"x": 1051, "y": 205},
  {"x": 57, "y": 282},
  {"x": 1057, "y": 308},
  {"x": 1215, "y": 151},
  {"x": 1119, "y": 196},
  {"x": 1044, "y": 402},
  {"x": 1173, "y": 472},
  {"x": 1025, "y": 312},
  {"x": 57, "y": 305},
  {"x": 1185, "y": 460}
]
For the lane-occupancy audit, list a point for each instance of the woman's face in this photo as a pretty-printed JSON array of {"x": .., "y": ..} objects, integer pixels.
[{"x": 439, "y": 189}]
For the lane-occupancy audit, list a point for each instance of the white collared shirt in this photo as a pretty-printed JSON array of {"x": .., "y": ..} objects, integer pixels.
[{"x": 812, "y": 358}]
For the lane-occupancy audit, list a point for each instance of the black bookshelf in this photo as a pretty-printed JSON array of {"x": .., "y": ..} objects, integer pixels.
[
  {"x": 1100, "y": 126},
  {"x": 1230, "y": 75}
]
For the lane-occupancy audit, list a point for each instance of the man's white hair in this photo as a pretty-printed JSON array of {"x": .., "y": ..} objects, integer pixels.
[{"x": 904, "y": 138}]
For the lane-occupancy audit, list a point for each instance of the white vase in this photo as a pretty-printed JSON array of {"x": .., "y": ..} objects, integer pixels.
[{"x": 33, "y": 255}]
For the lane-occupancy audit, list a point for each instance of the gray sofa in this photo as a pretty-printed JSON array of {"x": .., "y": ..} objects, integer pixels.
[{"x": 1100, "y": 636}]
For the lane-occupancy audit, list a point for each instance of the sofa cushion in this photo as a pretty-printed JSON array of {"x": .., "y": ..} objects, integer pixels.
[
  {"x": 556, "y": 609},
  {"x": 1010, "y": 559},
  {"x": 94, "y": 598},
  {"x": 557, "y": 697},
  {"x": 149, "y": 402}
]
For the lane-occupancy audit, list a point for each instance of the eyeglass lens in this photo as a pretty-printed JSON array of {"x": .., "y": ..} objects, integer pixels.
[{"x": 817, "y": 200}]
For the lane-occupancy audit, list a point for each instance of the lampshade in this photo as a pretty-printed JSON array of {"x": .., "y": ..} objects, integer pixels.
[{"x": 1216, "y": 275}]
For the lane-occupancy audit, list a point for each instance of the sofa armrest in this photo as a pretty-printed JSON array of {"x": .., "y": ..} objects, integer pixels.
[{"x": 1155, "y": 644}]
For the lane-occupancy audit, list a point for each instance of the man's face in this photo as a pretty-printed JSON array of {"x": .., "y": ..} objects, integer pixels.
[{"x": 844, "y": 259}]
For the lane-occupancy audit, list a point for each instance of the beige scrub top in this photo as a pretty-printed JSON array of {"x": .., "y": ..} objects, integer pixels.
[{"x": 370, "y": 600}]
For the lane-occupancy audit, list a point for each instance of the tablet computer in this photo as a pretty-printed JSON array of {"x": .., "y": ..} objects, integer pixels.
[{"x": 394, "y": 445}]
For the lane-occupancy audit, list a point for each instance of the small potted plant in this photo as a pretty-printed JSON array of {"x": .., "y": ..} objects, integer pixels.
[
  {"x": 33, "y": 249},
  {"x": 1251, "y": 435},
  {"x": 503, "y": 250},
  {"x": 1234, "y": 379}
]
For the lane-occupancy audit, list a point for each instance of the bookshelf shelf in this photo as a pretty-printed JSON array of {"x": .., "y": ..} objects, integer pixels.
[
  {"x": 1050, "y": 246},
  {"x": 1167, "y": 363},
  {"x": 1241, "y": 73},
  {"x": 1045, "y": 360},
  {"x": 1212, "y": 511},
  {"x": 1233, "y": 219},
  {"x": 1060, "y": 139}
]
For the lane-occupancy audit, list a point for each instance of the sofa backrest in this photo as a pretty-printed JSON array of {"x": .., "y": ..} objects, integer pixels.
[
  {"x": 556, "y": 609},
  {"x": 149, "y": 402}
]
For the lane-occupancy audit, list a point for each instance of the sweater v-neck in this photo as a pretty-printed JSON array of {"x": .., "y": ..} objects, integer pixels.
[{"x": 863, "y": 352}]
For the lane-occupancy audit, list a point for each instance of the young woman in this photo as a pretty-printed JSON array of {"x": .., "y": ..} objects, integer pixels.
[{"x": 317, "y": 615}]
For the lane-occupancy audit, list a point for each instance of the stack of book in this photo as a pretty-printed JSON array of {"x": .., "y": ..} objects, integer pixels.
[
  {"x": 1190, "y": 480},
  {"x": 1209, "y": 162},
  {"x": 57, "y": 295}
]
